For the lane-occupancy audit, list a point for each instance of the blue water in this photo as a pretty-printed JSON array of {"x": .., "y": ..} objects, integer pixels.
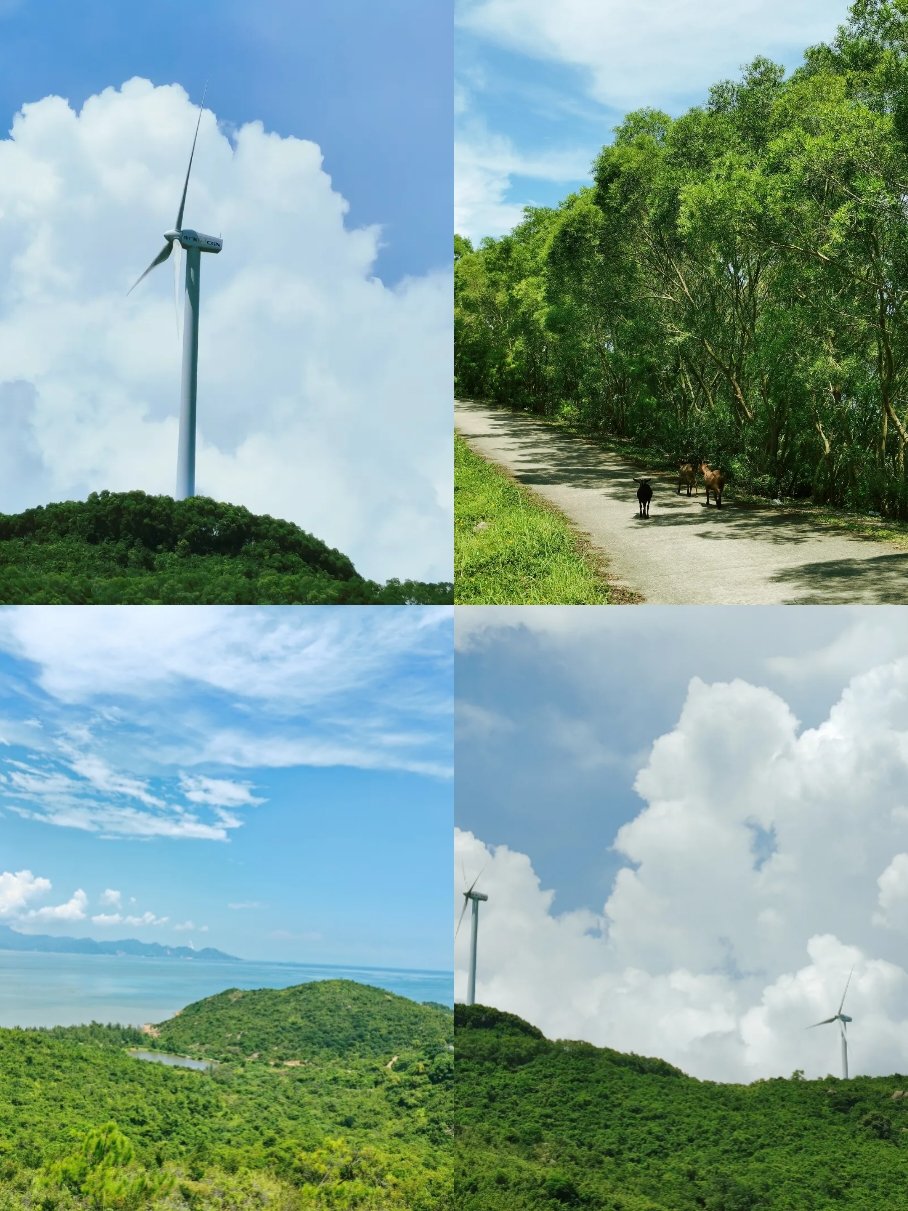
[
  {"x": 172, "y": 1061},
  {"x": 68, "y": 990}
]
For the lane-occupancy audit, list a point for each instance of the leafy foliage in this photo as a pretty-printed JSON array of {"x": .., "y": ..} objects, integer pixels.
[
  {"x": 733, "y": 286},
  {"x": 85, "y": 1125},
  {"x": 131, "y": 548},
  {"x": 542, "y": 1124}
]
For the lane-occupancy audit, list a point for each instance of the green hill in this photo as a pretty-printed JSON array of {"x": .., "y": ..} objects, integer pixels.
[
  {"x": 131, "y": 548},
  {"x": 84, "y": 1125},
  {"x": 324, "y": 1019},
  {"x": 541, "y": 1124}
]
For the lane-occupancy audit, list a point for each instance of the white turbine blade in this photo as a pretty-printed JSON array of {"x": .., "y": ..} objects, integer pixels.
[
  {"x": 463, "y": 913},
  {"x": 825, "y": 1022},
  {"x": 845, "y": 993},
  {"x": 178, "y": 225},
  {"x": 159, "y": 259}
]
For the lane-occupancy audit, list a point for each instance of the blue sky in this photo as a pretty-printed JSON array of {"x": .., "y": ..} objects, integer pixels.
[
  {"x": 539, "y": 88},
  {"x": 370, "y": 83},
  {"x": 275, "y": 783},
  {"x": 691, "y": 825}
]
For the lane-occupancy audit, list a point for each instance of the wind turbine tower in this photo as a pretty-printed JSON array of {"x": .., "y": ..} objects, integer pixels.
[
  {"x": 474, "y": 897},
  {"x": 194, "y": 243},
  {"x": 471, "y": 899},
  {"x": 842, "y": 1019}
]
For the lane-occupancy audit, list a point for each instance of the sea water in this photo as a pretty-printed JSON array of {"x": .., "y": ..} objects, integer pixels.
[{"x": 68, "y": 989}]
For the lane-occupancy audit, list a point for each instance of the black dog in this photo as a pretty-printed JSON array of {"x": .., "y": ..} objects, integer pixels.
[{"x": 644, "y": 496}]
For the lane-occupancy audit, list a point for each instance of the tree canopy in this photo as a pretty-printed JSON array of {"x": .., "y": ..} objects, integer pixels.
[
  {"x": 542, "y": 1124},
  {"x": 131, "y": 548},
  {"x": 327, "y": 1115},
  {"x": 734, "y": 283}
]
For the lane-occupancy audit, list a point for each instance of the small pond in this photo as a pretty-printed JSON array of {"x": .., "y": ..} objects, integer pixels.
[{"x": 172, "y": 1061}]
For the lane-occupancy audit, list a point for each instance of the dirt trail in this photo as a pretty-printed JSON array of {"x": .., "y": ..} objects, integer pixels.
[{"x": 684, "y": 553}]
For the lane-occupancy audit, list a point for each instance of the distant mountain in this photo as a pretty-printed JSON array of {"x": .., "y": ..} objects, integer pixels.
[{"x": 11, "y": 939}]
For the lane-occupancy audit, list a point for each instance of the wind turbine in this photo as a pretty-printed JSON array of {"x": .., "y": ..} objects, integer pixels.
[
  {"x": 842, "y": 1019},
  {"x": 471, "y": 897},
  {"x": 195, "y": 243}
]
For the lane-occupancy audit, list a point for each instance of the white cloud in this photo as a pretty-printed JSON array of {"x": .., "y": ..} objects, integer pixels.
[
  {"x": 16, "y": 890},
  {"x": 323, "y": 395},
  {"x": 653, "y": 52},
  {"x": 245, "y": 905},
  {"x": 190, "y": 927},
  {"x": 226, "y": 688},
  {"x": 137, "y": 920},
  {"x": 218, "y": 792},
  {"x": 485, "y": 166},
  {"x": 765, "y": 863},
  {"x": 111, "y": 897},
  {"x": 72, "y": 910},
  {"x": 285, "y": 658}
]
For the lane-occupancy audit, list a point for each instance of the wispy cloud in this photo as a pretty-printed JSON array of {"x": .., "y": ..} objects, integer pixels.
[{"x": 143, "y": 718}]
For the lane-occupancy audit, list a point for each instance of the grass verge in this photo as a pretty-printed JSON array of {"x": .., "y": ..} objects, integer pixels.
[{"x": 511, "y": 548}]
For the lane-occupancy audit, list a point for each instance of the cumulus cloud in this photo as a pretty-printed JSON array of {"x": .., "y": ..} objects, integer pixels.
[
  {"x": 765, "y": 863},
  {"x": 72, "y": 910},
  {"x": 16, "y": 890},
  {"x": 111, "y": 898},
  {"x": 323, "y": 394},
  {"x": 654, "y": 52}
]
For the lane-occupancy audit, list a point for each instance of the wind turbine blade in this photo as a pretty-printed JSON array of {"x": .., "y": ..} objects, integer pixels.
[
  {"x": 463, "y": 913},
  {"x": 476, "y": 880},
  {"x": 845, "y": 993},
  {"x": 159, "y": 259},
  {"x": 825, "y": 1022},
  {"x": 178, "y": 225}
]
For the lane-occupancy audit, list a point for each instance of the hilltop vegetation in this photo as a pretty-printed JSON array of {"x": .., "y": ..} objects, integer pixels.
[
  {"x": 306, "y": 1123},
  {"x": 542, "y": 1124},
  {"x": 131, "y": 548},
  {"x": 330, "y": 1019},
  {"x": 733, "y": 285}
]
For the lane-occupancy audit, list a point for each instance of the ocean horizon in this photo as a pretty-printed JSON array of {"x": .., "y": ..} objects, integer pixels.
[{"x": 38, "y": 989}]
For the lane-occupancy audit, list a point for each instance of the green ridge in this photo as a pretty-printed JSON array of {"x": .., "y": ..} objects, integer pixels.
[
  {"x": 83, "y": 1125},
  {"x": 542, "y": 1124},
  {"x": 129, "y": 547}
]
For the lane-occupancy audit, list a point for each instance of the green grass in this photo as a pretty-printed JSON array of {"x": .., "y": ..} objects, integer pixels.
[{"x": 510, "y": 548}]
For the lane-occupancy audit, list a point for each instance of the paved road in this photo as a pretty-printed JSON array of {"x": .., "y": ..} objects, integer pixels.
[{"x": 685, "y": 553}]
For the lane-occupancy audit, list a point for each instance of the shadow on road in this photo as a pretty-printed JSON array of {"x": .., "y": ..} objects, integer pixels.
[
  {"x": 543, "y": 457},
  {"x": 883, "y": 579}
]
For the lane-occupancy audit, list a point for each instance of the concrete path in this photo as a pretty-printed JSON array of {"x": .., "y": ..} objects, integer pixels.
[{"x": 685, "y": 553}]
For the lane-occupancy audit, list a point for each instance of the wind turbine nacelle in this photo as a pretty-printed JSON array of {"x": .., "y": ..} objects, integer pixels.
[
  {"x": 845, "y": 1017},
  {"x": 195, "y": 239}
]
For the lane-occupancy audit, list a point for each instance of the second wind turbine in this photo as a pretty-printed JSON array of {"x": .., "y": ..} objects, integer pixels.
[
  {"x": 842, "y": 1019},
  {"x": 195, "y": 243}
]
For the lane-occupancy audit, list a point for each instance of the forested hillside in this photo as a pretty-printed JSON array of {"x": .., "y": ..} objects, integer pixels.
[
  {"x": 542, "y": 1124},
  {"x": 734, "y": 285},
  {"x": 308, "y": 1123},
  {"x": 131, "y": 548}
]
